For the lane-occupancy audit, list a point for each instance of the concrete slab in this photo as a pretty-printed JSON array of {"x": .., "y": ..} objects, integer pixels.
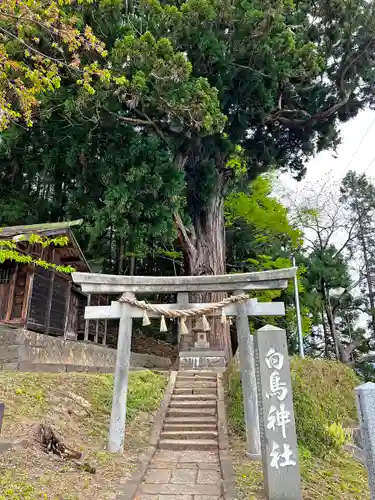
[
  {"x": 181, "y": 489},
  {"x": 184, "y": 476}
]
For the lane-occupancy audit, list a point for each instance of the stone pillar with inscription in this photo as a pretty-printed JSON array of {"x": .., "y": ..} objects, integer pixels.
[
  {"x": 366, "y": 414},
  {"x": 276, "y": 416}
]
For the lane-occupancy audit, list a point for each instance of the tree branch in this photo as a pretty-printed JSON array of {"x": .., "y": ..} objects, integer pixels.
[
  {"x": 128, "y": 119},
  {"x": 32, "y": 49},
  {"x": 152, "y": 124},
  {"x": 242, "y": 66},
  {"x": 308, "y": 119},
  {"x": 147, "y": 122},
  {"x": 365, "y": 359},
  {"x": 184, "y": 238}
]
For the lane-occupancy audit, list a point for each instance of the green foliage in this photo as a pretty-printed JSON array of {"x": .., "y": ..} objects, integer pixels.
[
  {"x": 328, "y": 266},
  {"x": 8, "y": 251},
  {"x": 266, "y": 216},
  {"x": 125, "y": 186},
  {"x": 339, "y": 436},
  {"x": 291, "y": 320},
  {"x": 259, "y": 232},
  {"x": 358, "y": 197},
  {"x": 323, "y": 394},
  {"x": 39, "y": 41},
  {"x": 366, "y": 371}
]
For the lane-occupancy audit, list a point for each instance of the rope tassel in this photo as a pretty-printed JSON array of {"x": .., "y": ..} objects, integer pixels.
[
  {"x": 163, "y": 325},
  {"x": 145, "y": 320},
  {"x": 183, "y": 327},
  {"x": 205, "y": 324},
  {"x": 223, "y": 319}
]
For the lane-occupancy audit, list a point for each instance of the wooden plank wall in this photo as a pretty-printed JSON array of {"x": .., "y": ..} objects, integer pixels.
[
  {"x": 37, "y": 317},
  {"x": 19, "y": 292},
  {"x": 4, "y": 293},
  {"x": 7, "y": 270},
  {"x": 60, "y": 289},
  {"x": 48, "y": 302}
]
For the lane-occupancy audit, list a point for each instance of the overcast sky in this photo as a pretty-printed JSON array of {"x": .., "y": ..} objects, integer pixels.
[{"x": 356, "y": 152}]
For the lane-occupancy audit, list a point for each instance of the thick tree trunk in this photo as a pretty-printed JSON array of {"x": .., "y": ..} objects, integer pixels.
[
  {"x": 132, "y": 263},
  {"x": 343, "y": 353},
  {"x": 209, "y": 254},
  {"x": 204, "y": 254},
  {"x": 331, "y": 320}
]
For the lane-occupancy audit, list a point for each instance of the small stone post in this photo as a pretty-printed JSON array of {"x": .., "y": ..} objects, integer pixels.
[
  {"x": 276, "y": 416},
  {"x": 248, "y": 381},
  {"x": 365, "y": 395},
  {"x": 120, "y": 388}
]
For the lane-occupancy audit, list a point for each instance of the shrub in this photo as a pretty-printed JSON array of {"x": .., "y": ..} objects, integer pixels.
[{"x": 339, "y": 436}]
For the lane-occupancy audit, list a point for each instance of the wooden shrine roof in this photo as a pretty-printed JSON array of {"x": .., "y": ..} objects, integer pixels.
[{"x": 71, "y": 254}]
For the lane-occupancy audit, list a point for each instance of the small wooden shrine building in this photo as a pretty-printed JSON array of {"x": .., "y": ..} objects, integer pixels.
[{"x": 41, "y": 300}]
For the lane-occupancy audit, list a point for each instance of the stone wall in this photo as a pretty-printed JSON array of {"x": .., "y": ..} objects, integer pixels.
[
  {"x": 20, "y": 346},
  {"x": 202, "y": 360}
]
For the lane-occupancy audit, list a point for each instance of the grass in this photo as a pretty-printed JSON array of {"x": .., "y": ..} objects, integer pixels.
[
  {"x": 78, "y": 406},
  {"x": 323, "y": 395}
]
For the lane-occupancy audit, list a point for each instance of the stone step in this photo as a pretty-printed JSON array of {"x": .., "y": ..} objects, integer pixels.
[
  {"x": 185, "y": 384},
  {"x": 180, "y": 491},
  {"x": 191, "y": 412},
  {"x": 194, "y": 397},
  {"x": 190, "y": 420},
  {"x": 197, "y": 373},
  {"x": 198, "y": 390},
  {"x": 189, "y": 434},
  {"x": 186, "y": 426},
  {"x": 196, "y": 378},
  {"x": 188, "y": 444},
  {"x": 192, "y": 404}
]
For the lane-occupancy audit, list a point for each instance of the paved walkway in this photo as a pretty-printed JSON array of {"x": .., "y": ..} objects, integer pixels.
[
  {"x": 182, "y": 475},
  {"x": 186, "y": 466}
]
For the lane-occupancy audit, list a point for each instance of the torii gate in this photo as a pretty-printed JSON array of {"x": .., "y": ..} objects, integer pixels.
[{"x": 237, "y": 284}]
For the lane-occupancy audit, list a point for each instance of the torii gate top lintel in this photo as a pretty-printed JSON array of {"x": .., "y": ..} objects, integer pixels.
[{"x": 106, "y": 283}]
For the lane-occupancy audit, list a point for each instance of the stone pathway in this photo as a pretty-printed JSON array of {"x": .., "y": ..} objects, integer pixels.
[
  {"x": 182, "y": 475},
  {"x": 186, "y": 466}
]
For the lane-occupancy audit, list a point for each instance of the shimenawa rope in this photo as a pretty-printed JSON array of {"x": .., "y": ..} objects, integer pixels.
[{"x": 183, "y": 314}]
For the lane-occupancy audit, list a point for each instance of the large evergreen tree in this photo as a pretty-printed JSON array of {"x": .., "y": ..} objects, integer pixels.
[
  {"x": 211, "y": 78},
  {"x": 122, "y": 182}
]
